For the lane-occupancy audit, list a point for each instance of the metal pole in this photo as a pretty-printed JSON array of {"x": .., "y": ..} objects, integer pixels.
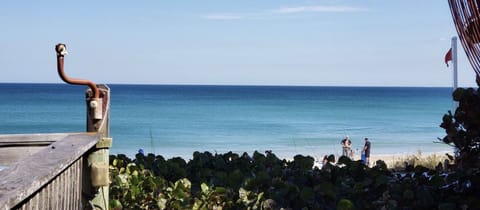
[
  {"x": 455, "y": 68},
  {"x": 61, "y": 52}
]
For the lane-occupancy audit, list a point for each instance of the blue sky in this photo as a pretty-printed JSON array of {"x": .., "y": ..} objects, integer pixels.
[{"x": 271, "y": 42}]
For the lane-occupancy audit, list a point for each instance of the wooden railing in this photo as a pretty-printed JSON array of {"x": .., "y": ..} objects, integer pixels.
[
  {"x": 60, "y": 171},
  {"x": 48, "y": 179}
]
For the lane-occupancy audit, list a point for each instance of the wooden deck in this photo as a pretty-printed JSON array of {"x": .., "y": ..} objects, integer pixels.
[{"x": 44, "y": 171}]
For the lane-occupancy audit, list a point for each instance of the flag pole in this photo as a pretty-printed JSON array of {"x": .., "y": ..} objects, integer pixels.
[{"x": 455, "y": 70}]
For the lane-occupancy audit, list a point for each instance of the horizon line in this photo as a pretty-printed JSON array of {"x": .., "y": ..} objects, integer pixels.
[{"x": 237, "y": 85}]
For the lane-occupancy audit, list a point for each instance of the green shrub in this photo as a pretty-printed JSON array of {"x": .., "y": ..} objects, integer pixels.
[
  {"x": 231, "y": 181},
  {"x": 463, "y": 128}
]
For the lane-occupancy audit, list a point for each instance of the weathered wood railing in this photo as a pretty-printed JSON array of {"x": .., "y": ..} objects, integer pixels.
[
  {"x": 48, "y": 179},
  {"x": 60, "y": 171}
]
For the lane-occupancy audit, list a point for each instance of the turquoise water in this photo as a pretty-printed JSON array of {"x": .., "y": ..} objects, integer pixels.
[{"x": 175, "y": 120}]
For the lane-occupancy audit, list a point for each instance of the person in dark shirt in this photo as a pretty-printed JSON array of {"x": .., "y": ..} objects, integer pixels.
[{"x": 366, "y": 151}]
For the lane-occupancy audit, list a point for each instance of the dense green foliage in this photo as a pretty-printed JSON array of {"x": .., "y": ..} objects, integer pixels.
[
  {"x": 263, "y": 181},
  {"x": 463, "y": 128}
]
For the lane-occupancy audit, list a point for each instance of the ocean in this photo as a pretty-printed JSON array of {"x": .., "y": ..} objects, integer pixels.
[{"x": 176, "y": 120}]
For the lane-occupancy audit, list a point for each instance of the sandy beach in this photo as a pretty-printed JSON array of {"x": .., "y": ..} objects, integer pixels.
[{"x": 398, "y": 159}]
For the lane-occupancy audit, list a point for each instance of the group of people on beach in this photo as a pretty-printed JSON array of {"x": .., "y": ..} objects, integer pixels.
[{"x": 348, "y": 151}]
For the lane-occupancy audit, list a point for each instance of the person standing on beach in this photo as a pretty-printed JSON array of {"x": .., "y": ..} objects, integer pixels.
[
  {"x": 366, "y": 151},
  {"x": 347, "y": 147}
]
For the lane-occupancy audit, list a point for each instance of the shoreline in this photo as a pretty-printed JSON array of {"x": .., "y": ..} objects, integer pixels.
[{"x": 391, "y": 159}]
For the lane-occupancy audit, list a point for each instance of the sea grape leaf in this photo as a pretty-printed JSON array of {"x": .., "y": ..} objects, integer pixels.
[
  {"x": 408, "y": 195},
  {"x": 446, "y": 206},
  {"x": 458, "y": 94},
  {"x": 220, "y": 190},
  {"x": 424, "y": 198},
  {"x": 307, "y": 194},
  {"x": 235, "y": 178},
  {"x": 326, "y": 189},
  {"x": 344, "y": 160},
  {"x": 115, "y": 204},
  {"x": 303, "y": 162},
  {"x": 381, "y": 165},
  {"x": 204, "y": 187},
  {"x": 381, "y": 180},
  {"x": 269, "y": 204},
  {"x": 345, "y": 204},
  {"x": 162, "y": 203}
]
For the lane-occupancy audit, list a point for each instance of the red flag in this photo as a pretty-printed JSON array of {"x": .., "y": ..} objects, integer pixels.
[{"x": 448, "y": 56}]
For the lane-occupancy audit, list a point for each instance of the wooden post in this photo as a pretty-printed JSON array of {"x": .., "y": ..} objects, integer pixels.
[{"x": 95, "y": 174}]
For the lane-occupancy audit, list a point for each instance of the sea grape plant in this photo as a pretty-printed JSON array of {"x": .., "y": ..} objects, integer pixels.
[
  {"x": 263, "y": 181},
  {"x": 463, "y": 128}
]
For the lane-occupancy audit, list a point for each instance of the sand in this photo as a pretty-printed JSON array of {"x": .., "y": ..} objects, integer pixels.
[
  {"x": 398, "y": 159},
  {"x": 427, "y": 159}
]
